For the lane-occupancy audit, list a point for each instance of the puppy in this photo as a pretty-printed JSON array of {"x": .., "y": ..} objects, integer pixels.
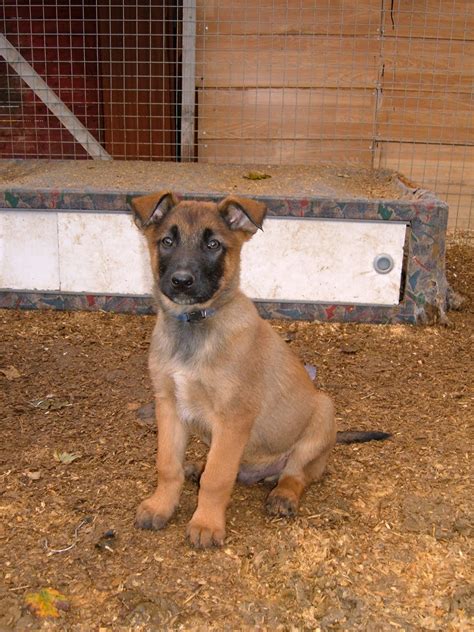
[{"x": 222, "y": 372}]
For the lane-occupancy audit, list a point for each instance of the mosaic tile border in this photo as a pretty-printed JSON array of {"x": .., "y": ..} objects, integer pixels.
[{"x": 424, "y": 291}]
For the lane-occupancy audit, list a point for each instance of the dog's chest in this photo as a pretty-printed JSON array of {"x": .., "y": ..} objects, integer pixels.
[
  {"x": 183, "y": 390},
  {"x": 190, "y": 396}
]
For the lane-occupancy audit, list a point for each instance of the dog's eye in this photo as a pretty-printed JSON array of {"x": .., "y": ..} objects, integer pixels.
[
  {"x": 167, "y": 242},
  {"x": 213, "y": 244}
]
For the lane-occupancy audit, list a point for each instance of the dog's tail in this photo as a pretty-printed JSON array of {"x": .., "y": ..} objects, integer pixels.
[{"x": 360, "y": 436}]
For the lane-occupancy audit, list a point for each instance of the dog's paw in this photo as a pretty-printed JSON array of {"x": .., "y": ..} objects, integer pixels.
[
  {"x": 204, "y": 535},
  {"x": 279, "y": 505},
  {"x": 148, "y": 516}
]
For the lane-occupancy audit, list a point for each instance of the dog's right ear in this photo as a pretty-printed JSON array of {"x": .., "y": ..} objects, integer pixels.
[{"x": 150, "y": 209}]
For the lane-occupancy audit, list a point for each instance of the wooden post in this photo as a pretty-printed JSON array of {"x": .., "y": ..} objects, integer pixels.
[{"x": 188, "y": 80}]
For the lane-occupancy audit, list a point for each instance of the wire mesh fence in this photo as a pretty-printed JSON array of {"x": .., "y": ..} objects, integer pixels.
[{"x": 380, "y": 83}]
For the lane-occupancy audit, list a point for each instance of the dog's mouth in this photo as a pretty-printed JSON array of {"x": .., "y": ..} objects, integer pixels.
[
  {"x": 184, "y": 298},
  {"x": 187, "y": 300}
]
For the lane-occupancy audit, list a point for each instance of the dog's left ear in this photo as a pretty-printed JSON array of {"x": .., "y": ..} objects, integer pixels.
[
  {"x": 150, "y": 209},
  {"x": 242, "y": 214}
]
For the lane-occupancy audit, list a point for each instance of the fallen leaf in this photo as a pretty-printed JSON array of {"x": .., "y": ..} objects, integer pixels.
[
  {"x": 349, "y": 349},
  {"x": 11, "y": 372},
  {"x": 257, "y": 175},
  {"x": 50, "y": 403},
  {"x": 56, "y": 404},
  {"x": 46, "y": 603},
  {"x": 65, "y": 457},
  {"x": 133, "y": 405},
  {"x": 34, "y": 476}
]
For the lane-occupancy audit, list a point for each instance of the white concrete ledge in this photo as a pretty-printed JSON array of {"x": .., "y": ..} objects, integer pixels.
[{"x": 309, "y": 260}]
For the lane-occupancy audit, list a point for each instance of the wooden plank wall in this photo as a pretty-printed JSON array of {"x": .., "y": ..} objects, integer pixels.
[
  {"x": 426, "y": 115},
  {"x": 377, "y": 83}
]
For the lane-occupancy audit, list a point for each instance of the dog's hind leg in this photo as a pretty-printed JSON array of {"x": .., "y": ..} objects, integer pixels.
[
  {"x": 306, "y": 462},
  {"x": 193, "y": 471}
]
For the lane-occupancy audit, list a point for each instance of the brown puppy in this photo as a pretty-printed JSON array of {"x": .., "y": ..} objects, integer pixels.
[{"x": 221, "y": 371}]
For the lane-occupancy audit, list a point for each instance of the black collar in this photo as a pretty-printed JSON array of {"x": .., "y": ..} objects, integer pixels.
[{"x": 196, "y": 316}]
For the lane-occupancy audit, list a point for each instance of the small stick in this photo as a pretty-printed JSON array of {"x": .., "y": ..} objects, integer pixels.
[
  {"x": 19, "y": 587},
  {"x": 192, "y": 595},
  {"x": 50, "y": 551}
]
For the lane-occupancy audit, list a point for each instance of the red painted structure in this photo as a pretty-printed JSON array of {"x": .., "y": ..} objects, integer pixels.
[
  {"x": 114, "y": 63},
  {"x": 61, "y": 43}
]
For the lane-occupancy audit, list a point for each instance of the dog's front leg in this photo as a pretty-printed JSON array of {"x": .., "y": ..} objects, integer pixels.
[
  {"x": 155, "y": 511},
  {"x": 207, "y": 526}
]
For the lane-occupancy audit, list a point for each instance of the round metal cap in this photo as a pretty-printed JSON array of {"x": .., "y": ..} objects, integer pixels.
[{"x": 383, "y": 263}]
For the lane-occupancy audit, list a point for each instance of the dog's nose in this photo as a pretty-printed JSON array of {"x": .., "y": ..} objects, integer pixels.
[{"x": 182, "y": 279}]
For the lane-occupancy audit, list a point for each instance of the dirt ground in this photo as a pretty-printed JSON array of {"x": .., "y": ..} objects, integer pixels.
[{"x": 381, "y": 543}]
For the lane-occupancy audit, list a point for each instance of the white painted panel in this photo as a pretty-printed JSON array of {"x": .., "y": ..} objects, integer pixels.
[
  {"x": 323, "y": 261},
  {"x": 29, "y": 250},
  {"x": 293, "y": 259},
  {"x": 102, "y": 253}
]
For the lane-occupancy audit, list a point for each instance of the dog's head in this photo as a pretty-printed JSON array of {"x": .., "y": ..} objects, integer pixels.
[{"x": 195, "y": 246}]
